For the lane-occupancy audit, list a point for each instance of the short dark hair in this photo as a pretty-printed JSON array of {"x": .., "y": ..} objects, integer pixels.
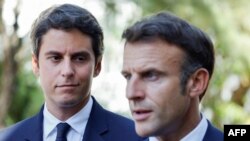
[
  {"x": 67, "y": 17},
  {"x": 198, "y": 47}
]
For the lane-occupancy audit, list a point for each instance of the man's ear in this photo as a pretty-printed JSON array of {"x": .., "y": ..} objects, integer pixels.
[
  {"x": 98, "y": 66},
  {"x": 35, "y": 65},
  {"x": 198, "y": 82}
]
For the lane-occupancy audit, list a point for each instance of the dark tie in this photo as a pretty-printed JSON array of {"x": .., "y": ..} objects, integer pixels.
[{"x": 62, "y": 130}]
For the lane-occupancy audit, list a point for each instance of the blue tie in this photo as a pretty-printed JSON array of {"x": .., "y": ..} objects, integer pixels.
[{"x": 62, "y": 130}]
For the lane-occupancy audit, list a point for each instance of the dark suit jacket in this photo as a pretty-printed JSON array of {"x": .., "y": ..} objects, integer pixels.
[
  {"x": 213, "y": 134},
  {"x": 102, "y": 126}
]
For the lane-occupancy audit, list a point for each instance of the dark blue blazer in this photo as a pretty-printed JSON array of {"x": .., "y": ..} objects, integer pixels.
[
  {"x": 213, "y": 134},
  {"x": 102, "y": 126}
]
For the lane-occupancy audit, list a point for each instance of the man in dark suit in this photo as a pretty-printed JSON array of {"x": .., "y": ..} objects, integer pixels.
[
  {"x": 67, "y": 53},
  {"x": 168, "y": 64}
]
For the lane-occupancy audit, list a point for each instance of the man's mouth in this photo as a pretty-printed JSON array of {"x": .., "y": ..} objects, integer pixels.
[
  {"x": 68, "y": 85},
  {"x": 141, "y": 114}
]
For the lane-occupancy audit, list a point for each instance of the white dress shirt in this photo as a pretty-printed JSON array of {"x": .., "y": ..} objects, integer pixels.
[
  {"x": 77, "y": 122},
  {"x": 197, "y": 134}
]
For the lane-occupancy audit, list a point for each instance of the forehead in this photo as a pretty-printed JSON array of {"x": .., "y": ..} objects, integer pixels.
[
  {"x": 73, "y": 39},
  {"x": 153, "y": 54}
]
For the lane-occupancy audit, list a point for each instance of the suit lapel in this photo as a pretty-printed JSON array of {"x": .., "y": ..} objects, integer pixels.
[
  {"x": 96, "y": 125},
  {"x": 92, "y": 136},
  {"x": 34, "y": 129},
  {"x": 212, "y": 133}
]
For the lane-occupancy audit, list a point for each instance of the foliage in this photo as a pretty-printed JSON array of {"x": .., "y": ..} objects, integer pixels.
[
  {"x": 227, "y": 23},
  {"x": 28, "y": 98},
  {"x": 1, "y": 71}
]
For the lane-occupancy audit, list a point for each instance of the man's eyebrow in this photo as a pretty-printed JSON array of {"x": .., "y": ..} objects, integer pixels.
[
  {"x": 149, "y": 70},
  {"x": 141, "y": 71},
  {"x": 52, "y": 53},
  {"x": 80, "y": 53},
  {"x": 84, "y": 53}
]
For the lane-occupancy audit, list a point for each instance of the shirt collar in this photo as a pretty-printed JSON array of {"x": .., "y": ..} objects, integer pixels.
[
  {"x": 76, "y": 121},
  {"x": 198, "y": 133},
  {"x": 49, "y": 122}
]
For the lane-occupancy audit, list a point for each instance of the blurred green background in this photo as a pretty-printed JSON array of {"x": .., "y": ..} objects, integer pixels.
[{"x": 227, "y": 22}]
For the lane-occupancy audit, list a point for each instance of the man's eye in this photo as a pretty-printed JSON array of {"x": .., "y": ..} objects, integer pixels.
[
  {"x": 54, "y": 58},
  {"x": 79, "y": 58},
  {"x": 151, "y": 76},
  {"x": 126, "y": 76}
]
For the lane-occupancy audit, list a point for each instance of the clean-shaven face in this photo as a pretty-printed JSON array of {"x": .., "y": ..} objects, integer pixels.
[
  {"x": 66, "y": 67},
  {"x": 152, "y": 71}
]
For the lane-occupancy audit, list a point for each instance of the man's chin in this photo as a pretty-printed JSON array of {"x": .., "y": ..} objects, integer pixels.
[
  {"x": 68, "y": 103},
  {"x": 143, "y": 132}
]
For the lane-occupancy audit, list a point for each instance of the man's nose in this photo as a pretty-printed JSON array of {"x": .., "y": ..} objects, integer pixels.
[
  {"x": 135, "y": 89},
  {"x": 67, "y": 69}
]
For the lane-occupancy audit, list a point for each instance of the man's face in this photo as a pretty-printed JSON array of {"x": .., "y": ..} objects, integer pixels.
[
  {"x": 66, "y": 67},
  {"x": 152, "y": 70}
]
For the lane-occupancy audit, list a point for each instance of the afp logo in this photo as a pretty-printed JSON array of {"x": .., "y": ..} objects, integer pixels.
[{"x": 236, "y": 132}]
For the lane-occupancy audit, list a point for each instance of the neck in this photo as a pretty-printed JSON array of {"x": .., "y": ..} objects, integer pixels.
[
  {"x": 65, "y": 112},
  {"x": 189, "y": 121}
]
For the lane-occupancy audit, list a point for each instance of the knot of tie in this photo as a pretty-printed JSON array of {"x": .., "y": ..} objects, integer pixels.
[{"x": 62, "y": 130}]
